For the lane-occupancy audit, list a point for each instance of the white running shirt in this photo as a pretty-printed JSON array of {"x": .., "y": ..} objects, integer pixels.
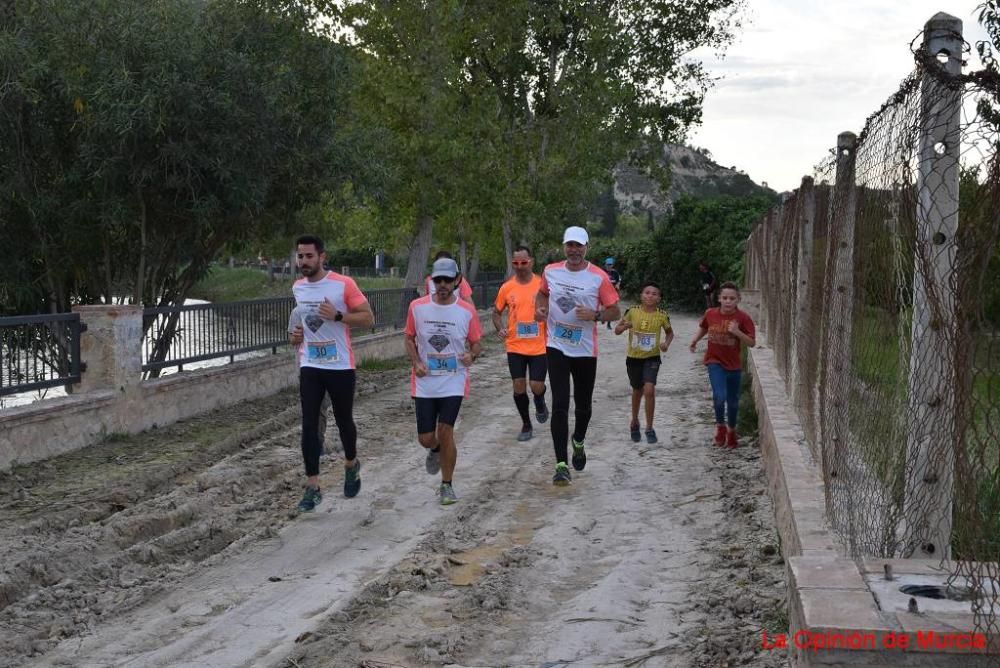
[
  {"x": 326, "y": 344},
  {"x": 441, "y": 332},
  {"x": 590, "y": 288}
]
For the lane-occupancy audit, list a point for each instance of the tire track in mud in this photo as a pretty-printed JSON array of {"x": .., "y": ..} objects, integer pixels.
[
  {"x": 659, "y": 555},
  {"x": 649, "y": 558},
  {"x": 93, "y": 534}
]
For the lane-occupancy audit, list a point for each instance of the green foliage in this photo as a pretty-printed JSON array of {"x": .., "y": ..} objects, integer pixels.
[
  {"x": 712, "y": 230},
  {"x": 137, "y": 139},
  {"x": 504, "y": 118}
]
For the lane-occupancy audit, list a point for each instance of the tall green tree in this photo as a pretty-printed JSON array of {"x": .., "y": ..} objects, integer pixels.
[
  {"x": 138, "y": 138},
  {"x": 521, "y": 108}
]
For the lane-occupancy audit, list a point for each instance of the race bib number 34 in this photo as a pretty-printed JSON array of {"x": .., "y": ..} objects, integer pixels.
[
  {"x": 441, "y": 365},
  {"x": 570, "y": 334},
  {"x": 323, "y": 352}
]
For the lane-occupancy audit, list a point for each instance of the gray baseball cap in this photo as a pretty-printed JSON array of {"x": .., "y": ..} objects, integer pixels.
[{"x": 445, "y": 267}]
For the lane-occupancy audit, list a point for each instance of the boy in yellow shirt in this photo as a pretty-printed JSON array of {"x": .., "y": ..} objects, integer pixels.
[{"x": 645, "y": 324}]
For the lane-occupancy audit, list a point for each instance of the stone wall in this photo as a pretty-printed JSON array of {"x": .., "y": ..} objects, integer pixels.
[{"x": 112, "y": 398}]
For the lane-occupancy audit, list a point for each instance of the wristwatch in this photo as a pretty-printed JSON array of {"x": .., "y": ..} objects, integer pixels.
[{"x": 339, "y": 316}]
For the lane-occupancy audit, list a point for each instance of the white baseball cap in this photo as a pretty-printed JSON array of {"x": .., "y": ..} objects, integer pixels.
[{"x": 577, "y": 234}]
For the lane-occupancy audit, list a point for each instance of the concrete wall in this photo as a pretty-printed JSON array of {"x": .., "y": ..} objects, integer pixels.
[
  {"x": 113, "y": 399},
  {"x": 831, "y": 597}
]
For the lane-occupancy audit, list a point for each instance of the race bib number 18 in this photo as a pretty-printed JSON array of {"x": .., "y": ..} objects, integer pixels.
[{"x": 527, "y": 330}]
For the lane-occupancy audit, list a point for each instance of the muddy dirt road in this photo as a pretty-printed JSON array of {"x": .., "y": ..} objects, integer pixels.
[{"x": 177, "y": 548}]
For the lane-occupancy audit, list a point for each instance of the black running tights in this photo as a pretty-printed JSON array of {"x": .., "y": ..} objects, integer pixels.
[
  {"x": 339, "y": 384},
  {"x": 583, "y": 371}
]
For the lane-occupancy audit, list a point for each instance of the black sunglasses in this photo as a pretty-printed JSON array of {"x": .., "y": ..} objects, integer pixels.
[{"x": 443, "y": 279}]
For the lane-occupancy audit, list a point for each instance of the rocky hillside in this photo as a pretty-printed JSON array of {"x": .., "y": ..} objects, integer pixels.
[{"x": 692, "y": 173}]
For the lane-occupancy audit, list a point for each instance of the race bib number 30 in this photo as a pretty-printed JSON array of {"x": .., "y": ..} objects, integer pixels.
[
  {"x": 442, "y": 365},
  {"x": 322, "y": 352},
  {"x": 570, "y": 334},
  {"x": 527, "y": 330}
]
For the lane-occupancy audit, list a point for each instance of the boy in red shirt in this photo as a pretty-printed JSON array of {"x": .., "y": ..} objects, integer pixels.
[{"x": 727, "y": 328}]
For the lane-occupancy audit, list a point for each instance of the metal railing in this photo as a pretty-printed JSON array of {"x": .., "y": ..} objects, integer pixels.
[
  {"x": 39, "y": 351},
  {"x": 179, "y": 335}
]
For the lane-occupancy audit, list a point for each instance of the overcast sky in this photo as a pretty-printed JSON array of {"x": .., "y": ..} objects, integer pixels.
[{"x": 803, "y": 71}]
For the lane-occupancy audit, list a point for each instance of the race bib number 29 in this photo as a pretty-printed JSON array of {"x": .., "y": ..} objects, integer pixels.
[{"x": 568, "y": 333}]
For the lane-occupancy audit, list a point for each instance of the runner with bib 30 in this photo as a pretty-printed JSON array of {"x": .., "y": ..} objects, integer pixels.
[
  {"x": 573, "y": 297},
  {"x": 327, "y": 304}
]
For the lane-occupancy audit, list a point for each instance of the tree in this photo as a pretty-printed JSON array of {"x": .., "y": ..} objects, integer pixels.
[
  {"x": 711, "y": 229},
  {"x": 517, "y": 108},
  {"x": 137, "y": 139}
]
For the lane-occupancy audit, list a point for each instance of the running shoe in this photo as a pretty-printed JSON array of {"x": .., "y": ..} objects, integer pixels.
[
  {"x": 634, "y": 432},
  {"x": 526, "y": 433},
  {"x": 352, "y": 480},
  {"x": 720, "y": 435},
  {"x": 579, "y": 456},
  {"x": 447, "y": 494},
  {"x": 433, "y": 461},
  {"x": 731, "y": 441},
  {"x": 310, "y": 499},
  {"x": 651, "y": 435},
  {"x": 562, "y": 476},
  {"x": 541, "y": 413}
]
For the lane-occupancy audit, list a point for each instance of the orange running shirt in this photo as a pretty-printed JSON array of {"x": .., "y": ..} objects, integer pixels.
[{"x": 525, "y": 335}]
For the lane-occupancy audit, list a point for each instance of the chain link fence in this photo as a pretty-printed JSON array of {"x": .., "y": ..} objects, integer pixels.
[{"x": 880, "y": 287}]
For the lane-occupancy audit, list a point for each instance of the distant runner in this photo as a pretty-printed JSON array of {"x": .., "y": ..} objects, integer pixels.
[
  {"x": 644, "y": 324},
  {"x": 442, "y": 340},
  {"x": 573, "y": 297},
  {"x": 327, "y": 305},
  {"x": 524, "y": 338},
  {"x": 709, "y": 284},
  {"x": 613, "y": 276}
]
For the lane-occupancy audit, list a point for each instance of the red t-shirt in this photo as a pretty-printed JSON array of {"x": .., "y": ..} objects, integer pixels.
[{"x": 723, "y": 347}]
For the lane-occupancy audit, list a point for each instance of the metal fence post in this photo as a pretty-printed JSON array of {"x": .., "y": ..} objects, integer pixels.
[
  {"x": 838, "y": 327},
  {"x": 932, "y": 435}
]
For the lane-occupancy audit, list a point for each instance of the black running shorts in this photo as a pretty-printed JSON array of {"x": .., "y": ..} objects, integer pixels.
[
  {"x": 642, "y": 370},
  {"x": 533, "y": 366},
  {"x": 439, "y": 410}
]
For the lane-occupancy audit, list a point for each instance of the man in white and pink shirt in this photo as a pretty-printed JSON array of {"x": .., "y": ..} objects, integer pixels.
[
  {"x": 442, "y": 340},
  {"x": 574, "y": 296},
  {"x": 327, "y": 305}
]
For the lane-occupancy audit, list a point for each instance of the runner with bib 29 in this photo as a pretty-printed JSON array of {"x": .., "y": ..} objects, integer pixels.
[{"x": 573, "y": 297}]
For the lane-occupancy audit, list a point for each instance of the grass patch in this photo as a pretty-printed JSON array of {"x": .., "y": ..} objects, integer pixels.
[
  {"x": 374, "y": 364},
  {"x": 746, "y": 417}
]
